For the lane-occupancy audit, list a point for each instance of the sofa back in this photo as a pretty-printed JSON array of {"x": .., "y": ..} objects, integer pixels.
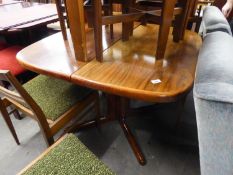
[
  {"x": 213, "y": 96},
  {"x": 213, "y": 20}
]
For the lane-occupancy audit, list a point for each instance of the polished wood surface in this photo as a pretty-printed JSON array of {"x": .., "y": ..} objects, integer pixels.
[
  {"x": 128, "y": 68},
  {"x": 24, "y": 15},
  {"x": 54, "y": 56}
]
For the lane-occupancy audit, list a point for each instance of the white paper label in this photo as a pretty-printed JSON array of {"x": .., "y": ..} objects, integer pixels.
[{"x": 156, "y": 81}]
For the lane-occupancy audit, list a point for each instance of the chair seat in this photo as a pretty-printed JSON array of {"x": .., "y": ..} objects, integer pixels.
[
  {"x": 54, "y": 96},
  {"x": 70, "y": 156},
  {"x": 3, "y": 45},
  {"x": 8, "y": 60}
]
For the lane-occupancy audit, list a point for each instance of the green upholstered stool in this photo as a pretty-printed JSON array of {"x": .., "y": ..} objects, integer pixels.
[
  {"x": 67, "y": 156},
  {"x": 54, "y": 96}
]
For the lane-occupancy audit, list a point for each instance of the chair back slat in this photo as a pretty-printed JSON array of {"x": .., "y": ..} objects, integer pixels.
[{"x": 12, "y": 95}]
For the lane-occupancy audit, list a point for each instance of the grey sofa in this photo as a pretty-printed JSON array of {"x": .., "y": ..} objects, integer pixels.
[{"x": 213, "y": 95}]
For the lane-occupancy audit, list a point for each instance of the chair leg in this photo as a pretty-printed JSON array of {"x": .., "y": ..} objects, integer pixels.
[
  {"x": 16, "y": 112},
  {"x": 167, "y": 16},
  {"x": 97, "y": 9},
  {"x": 181, "y": 20},
  {"x": 111, "y": 13},
  {"x": 48, "y": 140},
  {"x": 127, "y": 27},
  {"x": 61, "y": 19},
  {"x": 7, "y": 119}
]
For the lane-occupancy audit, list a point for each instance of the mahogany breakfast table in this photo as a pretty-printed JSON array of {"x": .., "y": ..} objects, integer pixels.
[{"x": 128, "y": 70}]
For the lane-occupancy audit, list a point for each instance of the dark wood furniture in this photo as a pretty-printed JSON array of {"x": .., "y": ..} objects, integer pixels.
[
  {"x": 8, "y": 2},
  {"x": 163, "y": 16},
  {"x": 33, "y": 106},
  {"x": 25, "y": 15},
  {"x": 127, "y": 71}
]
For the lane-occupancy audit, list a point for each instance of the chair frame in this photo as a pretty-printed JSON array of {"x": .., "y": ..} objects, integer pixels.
[
  {"x": 76, "y": 18},
  {"x": 21, "y": 98}
]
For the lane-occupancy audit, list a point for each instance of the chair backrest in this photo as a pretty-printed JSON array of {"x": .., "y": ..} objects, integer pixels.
[{"x": 23, "y": 101}]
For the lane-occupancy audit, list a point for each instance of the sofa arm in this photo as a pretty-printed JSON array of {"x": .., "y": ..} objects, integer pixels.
[
  {"x": 213, "y": 97},
  {"x": 213, "y": 20},
  {"x": 214, "y": 72}
]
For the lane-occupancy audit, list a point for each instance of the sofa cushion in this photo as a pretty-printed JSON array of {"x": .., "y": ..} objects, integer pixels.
[
  {"x": 214, "y": 73},
  {"x": 54, "y": 96},
  {"x": 8, "y": 60},
  {"x": 213, "y": 20}
]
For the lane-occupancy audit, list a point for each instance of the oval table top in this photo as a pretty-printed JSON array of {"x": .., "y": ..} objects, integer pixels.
[{"x": 129, "y": 68}]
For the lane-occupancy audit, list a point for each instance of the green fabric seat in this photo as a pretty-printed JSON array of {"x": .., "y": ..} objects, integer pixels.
[
  {"x": 69, "y": 157},
  {"x": 54, "y": 96}
]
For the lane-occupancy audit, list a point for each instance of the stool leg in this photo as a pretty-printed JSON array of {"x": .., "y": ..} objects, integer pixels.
[{"x": 7, "y": 119}]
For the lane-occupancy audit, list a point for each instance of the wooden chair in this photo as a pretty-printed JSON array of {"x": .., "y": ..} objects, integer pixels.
[
  {"x": 130, "y": 14},
  {"x": 53, "y": 103},
  {"x": 67, "y": 156}
]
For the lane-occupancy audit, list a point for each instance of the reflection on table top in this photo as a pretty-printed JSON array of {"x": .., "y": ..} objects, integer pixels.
[
  {"x": 128, "y": 67},
  {"x": 26, "y": 14}
]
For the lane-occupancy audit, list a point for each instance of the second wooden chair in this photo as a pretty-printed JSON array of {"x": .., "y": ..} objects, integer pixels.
[{"x": 53, "y": 103}]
